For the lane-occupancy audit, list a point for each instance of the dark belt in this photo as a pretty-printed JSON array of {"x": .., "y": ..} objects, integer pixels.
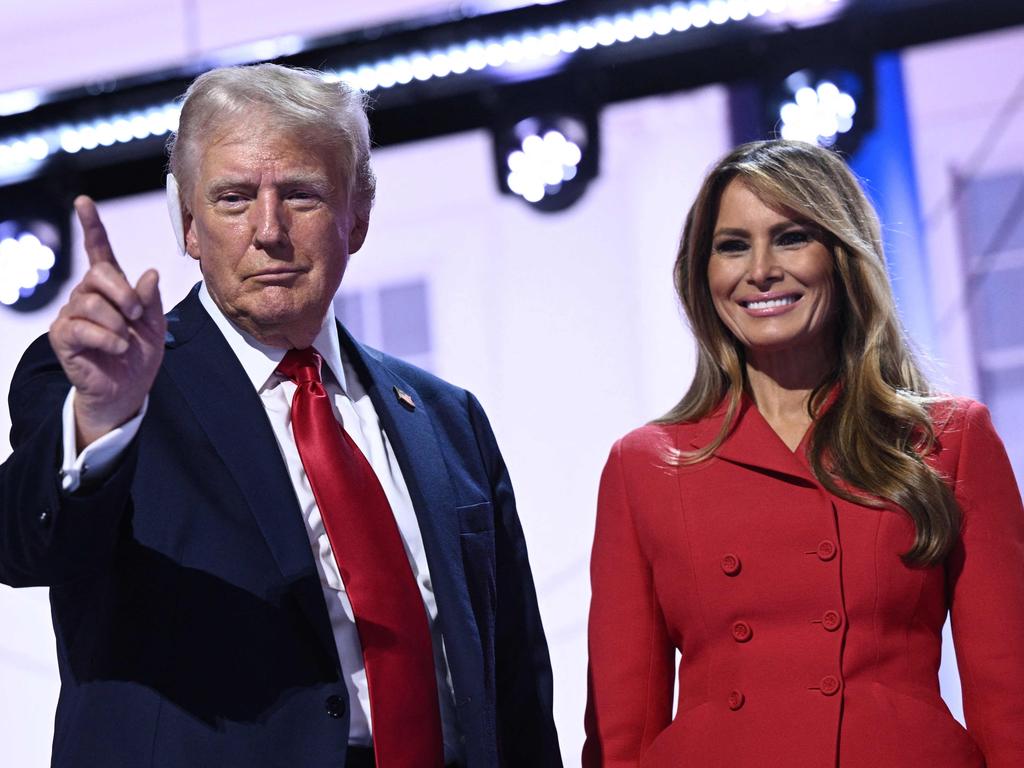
[
  {"x": 359, "y": 757},
  {"x": 362, "y": 757}
]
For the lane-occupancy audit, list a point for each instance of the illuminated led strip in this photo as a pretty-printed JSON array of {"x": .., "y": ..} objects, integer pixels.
[
  {"x": 21, "y": 152},
  {"x": 527, "y": 47}
]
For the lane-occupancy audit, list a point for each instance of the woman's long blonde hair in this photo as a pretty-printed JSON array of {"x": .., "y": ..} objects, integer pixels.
[{"x": 868, "y": 446}]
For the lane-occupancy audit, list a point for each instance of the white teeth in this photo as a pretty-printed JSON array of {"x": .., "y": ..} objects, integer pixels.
[{"x": 772, "y": 303}]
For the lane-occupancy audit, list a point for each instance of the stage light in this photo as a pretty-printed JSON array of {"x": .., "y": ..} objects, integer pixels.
[
  {"x": 542, "y": 46},
  {"x": 547, "y": 161},
  {"x": 17, "y": 102},
  {"x": 823, "y": 107},
  {"x": 32, "y": 262},
  {"x": 20, "y": 152},
  {"x": 817, "y": 113}
]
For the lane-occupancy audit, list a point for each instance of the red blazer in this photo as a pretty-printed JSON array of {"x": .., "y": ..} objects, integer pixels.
[{"x": 805, "y": 641}]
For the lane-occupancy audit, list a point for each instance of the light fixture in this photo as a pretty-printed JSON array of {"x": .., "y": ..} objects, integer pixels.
[
  {"x": 547, "y": 160},
  {"x": 540, "y": 47},
  {"x": 819, "y": 112},
  {"x": 828, "y": 106},
  {"x": 33, "y": 254}
]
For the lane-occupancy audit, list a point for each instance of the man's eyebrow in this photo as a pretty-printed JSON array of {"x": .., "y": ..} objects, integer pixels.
[
  {"x": 316, "y": 181},
  {"x": 224, "y": 183}
]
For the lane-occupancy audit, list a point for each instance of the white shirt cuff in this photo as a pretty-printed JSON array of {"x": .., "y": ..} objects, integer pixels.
[{"x": 99, "y": 457}]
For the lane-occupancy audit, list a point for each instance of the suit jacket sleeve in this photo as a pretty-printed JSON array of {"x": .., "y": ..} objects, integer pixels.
[
  {"x": 526, "y": 728},
  {"x": 48, "y": 538},
  {"x": 630, "y": 682},
  {"x": 987, "y": 592}
]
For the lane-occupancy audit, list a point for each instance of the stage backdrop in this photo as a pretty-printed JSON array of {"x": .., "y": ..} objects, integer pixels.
[{"x": 566, "y": 325}]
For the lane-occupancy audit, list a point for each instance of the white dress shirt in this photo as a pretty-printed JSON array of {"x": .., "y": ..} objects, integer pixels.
[{"x": 354, "y": 409}]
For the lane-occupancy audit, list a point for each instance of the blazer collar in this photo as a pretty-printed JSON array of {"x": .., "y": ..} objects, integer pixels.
[
  {"x": 201, "y": 364},
  {"x": 751, "y": 442},
  {"x": 409, "y": 418}
]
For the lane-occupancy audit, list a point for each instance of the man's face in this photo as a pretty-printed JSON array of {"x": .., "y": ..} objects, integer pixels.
[{"x": 272, "y": 227}]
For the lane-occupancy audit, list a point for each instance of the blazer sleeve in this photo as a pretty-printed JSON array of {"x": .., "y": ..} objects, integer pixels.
[
  {"x": 630, "y": 678},
  {"x": 524, "y": 701},
  {"x": 48, "y": 537},
  {"x": 987, "y": 592}
]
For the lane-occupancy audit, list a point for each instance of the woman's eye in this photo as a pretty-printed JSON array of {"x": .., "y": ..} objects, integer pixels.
[
  {"x": 794, "y": 237},
  {"x": 730, "y": 246}
]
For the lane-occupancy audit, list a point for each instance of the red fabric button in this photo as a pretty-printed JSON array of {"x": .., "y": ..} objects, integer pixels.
[
  {"x": 741, "y": 632},
  {"x": 829, "y": 685},
  {"x": 736, "y": 699},
  {"x": 826, "y": 550},
  {"x": 730, "y": 565},
  {"x": 831, "y": 620}
]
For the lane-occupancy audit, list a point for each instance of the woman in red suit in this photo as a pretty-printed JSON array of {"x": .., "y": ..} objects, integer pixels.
[{"x": 800, "y": 524}]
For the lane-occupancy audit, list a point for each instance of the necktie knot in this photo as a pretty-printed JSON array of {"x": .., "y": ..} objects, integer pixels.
[{"x": 301, "y": 365}]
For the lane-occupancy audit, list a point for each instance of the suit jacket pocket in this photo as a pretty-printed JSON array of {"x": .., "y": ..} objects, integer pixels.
[
  {"x": 476, "y": 527},
  {"x": 476, "y": 518}
]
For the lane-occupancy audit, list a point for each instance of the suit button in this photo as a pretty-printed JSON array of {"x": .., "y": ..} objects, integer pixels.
[
  {"x": 44, "y": 517},
  {"x": 826, "y": 550},
  {"x": 730, "y": 565},
  {"x": 736, "y": 699},
  {"x": 831, "y": 620},
  {"x": 335, "y": 706},
  {"x": 829, "y": 685},
  {"x": 741, "y": 632}
]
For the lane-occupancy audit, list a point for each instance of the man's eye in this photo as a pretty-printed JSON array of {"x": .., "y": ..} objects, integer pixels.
[{"x": 231, "y": 198}]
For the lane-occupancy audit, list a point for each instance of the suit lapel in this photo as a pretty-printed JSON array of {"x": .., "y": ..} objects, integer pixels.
[
  {"x": 420, "y": 456},
  {"x": 201, "y": 364}
]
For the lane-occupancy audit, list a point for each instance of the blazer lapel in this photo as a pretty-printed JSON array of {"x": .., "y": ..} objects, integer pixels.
[
  {"x": 411, "y": 433},
  {"x": 752, "y": 443},
  {"x": 201, "y": 364}
]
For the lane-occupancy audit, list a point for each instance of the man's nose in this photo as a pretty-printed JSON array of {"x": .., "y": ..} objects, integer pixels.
[
  {"x": 764, "y": 266},
  {"x": 270, "y": 223}
]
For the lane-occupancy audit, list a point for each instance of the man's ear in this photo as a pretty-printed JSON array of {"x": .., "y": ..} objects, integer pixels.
[
  {"x": 176, "y": 210},
  {"x": 191, "y": 239},
  {"x": 357, "y": 235}
]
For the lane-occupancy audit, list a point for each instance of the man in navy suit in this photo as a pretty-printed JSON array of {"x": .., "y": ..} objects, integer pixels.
[{"x": 205, "y": 604}]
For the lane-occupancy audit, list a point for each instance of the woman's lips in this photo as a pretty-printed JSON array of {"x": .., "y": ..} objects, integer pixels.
[{"x": 770, "y": 306}]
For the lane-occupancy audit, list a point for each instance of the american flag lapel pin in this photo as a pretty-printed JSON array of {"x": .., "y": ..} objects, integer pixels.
[{"x": 404, "y": 398}]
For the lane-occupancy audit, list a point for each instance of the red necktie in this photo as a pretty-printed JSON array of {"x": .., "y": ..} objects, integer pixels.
[{"x": 390, "y": 616}]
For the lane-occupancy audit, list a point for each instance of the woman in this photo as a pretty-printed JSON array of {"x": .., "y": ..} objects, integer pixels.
[{"x": 799, "y": 524}]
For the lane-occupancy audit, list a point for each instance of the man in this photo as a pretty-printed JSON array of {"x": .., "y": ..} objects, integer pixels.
[{"x": 235, "y": 579}]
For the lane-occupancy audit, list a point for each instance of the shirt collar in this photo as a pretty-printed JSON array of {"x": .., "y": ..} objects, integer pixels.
[{"x": 259, "y": 360}]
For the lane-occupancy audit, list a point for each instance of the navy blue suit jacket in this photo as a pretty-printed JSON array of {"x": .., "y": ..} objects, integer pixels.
[{"x": 191, "y": 627}]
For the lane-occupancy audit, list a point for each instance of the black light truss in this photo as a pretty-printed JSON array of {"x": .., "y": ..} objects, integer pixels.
[{"x": 724, "y": 50}]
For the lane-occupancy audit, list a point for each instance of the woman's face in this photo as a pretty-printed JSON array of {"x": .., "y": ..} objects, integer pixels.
[{"x": 770, "y": 276}]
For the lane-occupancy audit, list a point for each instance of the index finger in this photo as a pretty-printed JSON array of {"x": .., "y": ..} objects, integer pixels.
[{"x": 97, "y": 244}]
